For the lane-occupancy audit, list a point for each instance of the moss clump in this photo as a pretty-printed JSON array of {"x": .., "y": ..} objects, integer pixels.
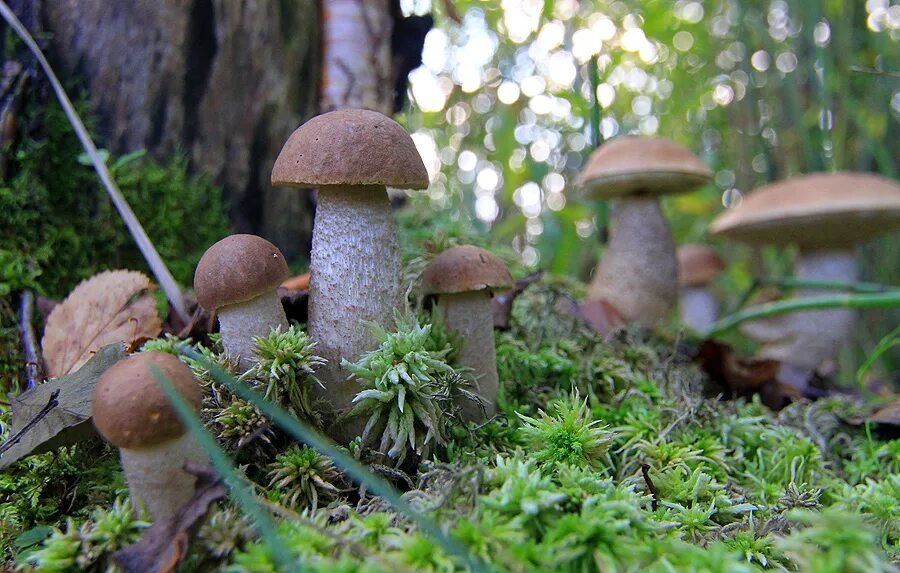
[{"x": 58, "y": 226}]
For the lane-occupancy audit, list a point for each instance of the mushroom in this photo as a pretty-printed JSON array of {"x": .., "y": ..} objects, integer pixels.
[
  {"x": 463, "y": 280},
  {"x": 239, "y": 278},
  {"x": 698, "y": 265},
  {"x": 351, "y": 156},
  {"x": 131, "y": 412},
  {"x": 825, "y": 215},
  {"x": 638, "y": 273}
]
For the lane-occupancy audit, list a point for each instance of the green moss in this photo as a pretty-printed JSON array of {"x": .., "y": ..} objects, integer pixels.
[{"x": 58, "y": 226}]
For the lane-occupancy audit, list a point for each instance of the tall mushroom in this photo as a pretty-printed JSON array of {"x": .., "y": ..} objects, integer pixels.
[
  {"x": 638, "y": 273},
  {"x": 463, "y": 280},
  {"x": 239, "y": 278},
  {"x": 825, "y": 215},
  {"x": 351, "y": 156},
  {"x": 131, "y": 411},
  {"x": 698, "y": 265}
]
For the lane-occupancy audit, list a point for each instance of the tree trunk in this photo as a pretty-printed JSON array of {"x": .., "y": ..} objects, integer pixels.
[{"x": 224, "y": 81}]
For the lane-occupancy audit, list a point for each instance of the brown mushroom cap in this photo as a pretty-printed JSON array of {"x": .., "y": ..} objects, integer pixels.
[
  {"x": 130, "y": 408},
  {"x": 816, "y": 210},
  {"x": 237, "y": 269},
  {"x": 698, "y": 265},
  {"x": 465, "y": 269},
  {"x": 350, "y": 147},
  {"x": 644, "y": 166}
]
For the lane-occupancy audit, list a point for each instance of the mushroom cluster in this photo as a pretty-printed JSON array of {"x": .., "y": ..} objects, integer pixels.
[
  {"x": 826, "y": 216},
  {"x": 132, "y": 412},
  {"x": 351, "y": 156},
  {"x": 638, "y": 274}
]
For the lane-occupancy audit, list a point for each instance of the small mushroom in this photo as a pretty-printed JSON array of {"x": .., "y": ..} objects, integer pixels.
[
  {"x": 463, "y": 280},
  {"x": 825, "y": 215},
  {"x": 131, "y": 412},
  {"x": 351, "y": 156},
  {"x": 638, "y": 272},
  {"x": 698, "y": 265},
  {"x": 239, "y": 278}
]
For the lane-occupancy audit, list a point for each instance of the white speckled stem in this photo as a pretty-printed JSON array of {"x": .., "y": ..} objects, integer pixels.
[
  {"x": 808, "y": 338},
  {"x": 240, "y": 323},
  {"x": 155, "y": 476},
  {"x": 470, "y": 315},
  {"x": 639, "y": 272},
  {"x": 699, "y": 308},
  {"x": 354, "y": 280}
]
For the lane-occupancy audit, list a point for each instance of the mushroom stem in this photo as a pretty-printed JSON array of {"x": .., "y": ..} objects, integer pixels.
[
  {"x": 470, "y": 314},
  {"x": 639, "y": 273},
  {"x": 240, "y": 323},
  {"x": 811, "y": 337},
  {"x": 699, "y": 308},
  {"x": 354, "y": 281},
  {"x": 156, "y": 478}
]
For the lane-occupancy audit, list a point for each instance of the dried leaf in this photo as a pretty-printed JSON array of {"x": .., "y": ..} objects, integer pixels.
[
  {"x": 69, "y": 421},
  {"x": 601, "y": 316},
  {"x": 744, "y": 376},
  {"x": 108, "y": 308},
  {"x": 501, "y": 304},
  {"x": 299, "y": 282},
  {"x": 888, "y": 415},
  {"x": 163, "y": 546}
]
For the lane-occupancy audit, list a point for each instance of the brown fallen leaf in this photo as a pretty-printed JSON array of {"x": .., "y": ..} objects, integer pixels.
[
  {"x": 110, "y": 307},
  {"x": 601, "y": 316},
  {"x": 888, "y": 415},
  {"x": 299, "y": 282},
  {"x": 163, "y": 546},
  {"x": 70, "y": 420},
  {"x": 744, "y": 377},
  {"x": 501, "y": 304}
]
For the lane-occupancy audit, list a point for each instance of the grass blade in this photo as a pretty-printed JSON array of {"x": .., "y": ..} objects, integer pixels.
[
  {"x": 236, "y": 483},
  {"x": 874, "y": 300},
  {"x": 154, "y": 261},
  {"x": 302, "y": 432}
]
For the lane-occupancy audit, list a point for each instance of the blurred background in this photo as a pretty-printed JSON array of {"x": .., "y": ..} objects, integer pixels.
[
  {"x": 503, "y": 106},
  {"x": 505, "y": 101}
]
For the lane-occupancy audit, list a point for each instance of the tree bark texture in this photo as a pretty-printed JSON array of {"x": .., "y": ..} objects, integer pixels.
[{"x": 225, "y": 81}]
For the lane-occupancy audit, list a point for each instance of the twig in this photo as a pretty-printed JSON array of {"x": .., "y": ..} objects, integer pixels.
[
  {"x": 34, "y": 365},
  {"x": 654, "y": 502},
  {"x": 14, "y": 439},
  {"x": 154, "y": 261},
  {"x": 875, "y": 300},
  {"x": 874, "y": 72}
]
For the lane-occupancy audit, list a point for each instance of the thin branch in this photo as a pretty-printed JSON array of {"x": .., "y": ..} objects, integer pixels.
[
  {"x": 34, "y": 365},
  {"x": 645, "y": 471},
  {"x": 874, "y": 300},
  {"x": 14, "y": 439},
  {"x": 154, "y": 261},
  {"x": 874, "y": 72}
]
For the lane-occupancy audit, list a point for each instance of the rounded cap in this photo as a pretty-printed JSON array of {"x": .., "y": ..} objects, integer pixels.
[
  {"x": 646, "y": 166},
  {"x": 465, "y": 269},
  {"x": 350, "y": 147},
  {"x": 816, "y": 210},
  {"x": 237, "y": 269},
  {"x": 698, "y": 265},
  {"x": 130, "y": 408}
]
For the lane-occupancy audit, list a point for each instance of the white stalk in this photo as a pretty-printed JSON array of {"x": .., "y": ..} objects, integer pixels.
[
  {"x": 639, "y": 272},
  {"x": 354, "y": 281},
  {"x": 470, "y": 315},
  {"x": 156, "y": 478},
  {"x": 699, "y": 308},
  {"x": 240, "y": 323},
  {"x": 802, "y": 341}
]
